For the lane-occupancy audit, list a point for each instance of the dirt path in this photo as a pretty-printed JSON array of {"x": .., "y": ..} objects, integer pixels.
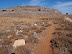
[{"x": 44, "y": 47}]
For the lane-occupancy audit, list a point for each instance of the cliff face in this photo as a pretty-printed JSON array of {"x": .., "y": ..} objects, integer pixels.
[{"x": 28, "y": 11}]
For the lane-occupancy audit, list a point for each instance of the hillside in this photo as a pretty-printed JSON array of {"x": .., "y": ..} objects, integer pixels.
[
  {"x": 35, "y": 30},
  {"x": 28, "y": 11},
  {"x": 51, "y": 35}
]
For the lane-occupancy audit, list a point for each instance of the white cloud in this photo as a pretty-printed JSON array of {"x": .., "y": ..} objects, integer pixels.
[
  {"x": 64, "y": 7},
  {"x": 65, "y": 4},
  {"x": 34, "y": 3}
]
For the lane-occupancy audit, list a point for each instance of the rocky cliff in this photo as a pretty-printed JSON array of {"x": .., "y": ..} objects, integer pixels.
[{"x": 28, "y": 11}]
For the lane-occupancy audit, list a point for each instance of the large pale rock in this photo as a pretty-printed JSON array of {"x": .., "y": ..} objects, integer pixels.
[
  {"x": 19, "y": 42},
  {"x": 68, "y": 19}
]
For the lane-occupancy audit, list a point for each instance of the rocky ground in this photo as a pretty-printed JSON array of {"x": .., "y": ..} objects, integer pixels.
[{"x": 35, "y": 36}]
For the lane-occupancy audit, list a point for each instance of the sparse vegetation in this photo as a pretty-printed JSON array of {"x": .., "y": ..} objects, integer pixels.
[
  {"x": 32, "y": 39},
  {"x": 3, "y": 50},
  {"x": 22, "y": 50},
  {"x": 12, "y": 29},
  {"x": 4, "y": 33},
  {"x": 38, "y": 31}
]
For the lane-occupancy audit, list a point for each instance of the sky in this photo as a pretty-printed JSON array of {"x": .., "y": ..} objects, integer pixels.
[{"x": 64, "y": 6}]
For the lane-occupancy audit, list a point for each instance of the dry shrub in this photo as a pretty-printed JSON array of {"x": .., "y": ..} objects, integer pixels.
[
  {"x": 67, "y": 29},
  {"x": 59, "y": 29},
  {"x": 21, "y": 50},
  {"x": 62, "y": 22},
  {"x": 33, "y": 28},
  {"x": 32, "y": 39},
  {"x": 15, "y": 37},
  {"x": 12, "y": 37},
  {"x": 52, "y": 41},
  {"x": 60, "y": 42},
  {"x": 42, "y": 28},
  {"x": 4, "y": 33},
  {"x": 26, "y": 29},
  {"x": 18, "y": 28},
  {"x": 31, "y": 33},
  {"x": 6, "y": 42},
  {"x": 3, "y": 50},
  {"x": 70, "y": 51},
  {"x": 55, "y": 42},
  {"x": 47, "y": 25},
  {"x": 4, "y": 37},
  {"x": 55, "y": 22},
  {"x": 1, "y": 33},
  {"x": 12, "y": 33},
  {"x": 0, "y": 37},
  {"x": 25, "y": 33},
  {"x": 20, "y": 32},
  {"x": 38, "y": 31},
  {"x": 58, "y": 33},
  {"x": 20, "y": 37},
  {"x": 69, "y": 35}
]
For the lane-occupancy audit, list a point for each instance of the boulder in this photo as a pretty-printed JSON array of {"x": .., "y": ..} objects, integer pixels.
[{"x": 19, "y": 42}]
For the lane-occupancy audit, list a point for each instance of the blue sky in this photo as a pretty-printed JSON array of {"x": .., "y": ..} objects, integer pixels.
[{"x": 64, "y": 6}]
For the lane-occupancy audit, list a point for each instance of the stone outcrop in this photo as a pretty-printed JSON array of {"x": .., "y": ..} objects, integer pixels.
[{"x": 28, "y": 11}]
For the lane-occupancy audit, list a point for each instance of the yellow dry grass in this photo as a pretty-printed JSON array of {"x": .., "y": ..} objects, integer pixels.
[
  {"x": 51, "y": 16},
  {"x": 5, "y": 22}
]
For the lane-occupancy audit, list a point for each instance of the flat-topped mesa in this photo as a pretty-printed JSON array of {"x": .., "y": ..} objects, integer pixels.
[{"x": 28, "y": 11}]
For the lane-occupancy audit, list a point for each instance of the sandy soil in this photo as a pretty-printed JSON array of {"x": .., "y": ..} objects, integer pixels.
[{"x": 44, "y": 46}]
